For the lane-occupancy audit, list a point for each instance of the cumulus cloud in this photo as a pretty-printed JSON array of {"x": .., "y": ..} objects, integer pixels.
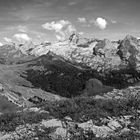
[
  {"x": 81, "y": 33},
  {"x": 82, "y": 20},
  {"x": 55, "y": 25},
  {"x": 113, "y": 21},
  {"x": 72, "y": 3},
  {"x": 7, "y": 39},
  {"x": 1, "y": 44},
  {"x": 101, "y": 23},
  {"x": 62, "y": 28},
  {"x": 22, "y": 37}
]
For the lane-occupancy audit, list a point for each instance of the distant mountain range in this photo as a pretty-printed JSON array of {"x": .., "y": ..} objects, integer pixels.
[{"x": 33, "y": 73}]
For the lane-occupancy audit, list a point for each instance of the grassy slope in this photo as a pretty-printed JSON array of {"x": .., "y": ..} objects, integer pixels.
[{"x": 7, "y": 106}]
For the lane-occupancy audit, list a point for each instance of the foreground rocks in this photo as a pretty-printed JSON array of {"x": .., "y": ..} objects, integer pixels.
[
  {"x": 110, "y": 127},
  {"x": 107, "y": 127}
]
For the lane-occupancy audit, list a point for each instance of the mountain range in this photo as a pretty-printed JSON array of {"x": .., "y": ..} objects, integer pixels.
[
  {"x": 50, "y": 73},
  {"x": 62, "y": 70}
]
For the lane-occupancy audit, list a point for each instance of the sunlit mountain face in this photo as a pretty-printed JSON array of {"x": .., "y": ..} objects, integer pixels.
[{"x": 51, "y": 20}]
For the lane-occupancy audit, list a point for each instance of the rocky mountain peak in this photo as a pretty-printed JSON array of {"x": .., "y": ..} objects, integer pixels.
[{"x": 128, "y": 50}]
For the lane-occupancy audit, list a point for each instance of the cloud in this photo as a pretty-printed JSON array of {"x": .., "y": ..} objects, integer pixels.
[
  {"x": 72, "y": 3},
  {"x": 81, "y": 33},
  {"x": 113, "y": 21},
  {"x": 22, "y": 28},
  {"x": 62, "y": 28},
  {"x": 82, "y": 20},
  {"x": 7, "y": 39},
  {"x": 56, "y": 25},
  {"x": 1, "y": 44},
  {"x": 101, "y": 23},
  {"x": 22, "y": 37}
]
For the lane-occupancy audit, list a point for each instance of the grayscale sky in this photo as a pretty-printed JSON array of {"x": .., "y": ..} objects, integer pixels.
[{"x": 42, "y": 20}]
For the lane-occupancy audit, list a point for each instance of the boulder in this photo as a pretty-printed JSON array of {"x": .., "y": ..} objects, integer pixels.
[
  {"x": 113, "y": 124},
  {"x": 99, "y": 131},
  {"x": 59, "y": 133},
  {"x": 1, "y": 88},
  {"x": 95, "y": 87},
  {"x": 52, "y": 123}
]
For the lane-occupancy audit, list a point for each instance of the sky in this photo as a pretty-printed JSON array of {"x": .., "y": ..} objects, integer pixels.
[{"x": 51, "y": 20}]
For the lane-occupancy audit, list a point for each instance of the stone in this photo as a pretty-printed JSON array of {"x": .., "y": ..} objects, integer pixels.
[
  {"x": 1, "y": 88},
  {"x": 34, "y": 109},
  {"x": 61, "y": 132},
  {"x": 113, "y": 124},
  {"x": 4, "y": 136},
  {"x": 95, "y": 87},
  {"x": 124, "y": 131},
  {"x": 52, "y": 123},
  {"x": 99, "y": 131}
]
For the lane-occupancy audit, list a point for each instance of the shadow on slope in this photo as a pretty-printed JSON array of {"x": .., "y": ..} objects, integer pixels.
[{"x": 53, "y": 74}]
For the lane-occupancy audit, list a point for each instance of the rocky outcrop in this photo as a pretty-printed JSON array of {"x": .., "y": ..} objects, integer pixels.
[
  {"x": 128, "y": 50},
  {"x": 26, "y": 47},
  {"x": 95, "y": 87},
  {"x": 99, "y": 55}
]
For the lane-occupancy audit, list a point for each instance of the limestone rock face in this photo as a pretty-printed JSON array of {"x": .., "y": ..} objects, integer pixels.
[
  {"x": 82, "y": 51},
  {"x": 102, "y": 56},
  {"x": 128, "y": 50},
  {"x": 105, "y": 55},
  {"x": 26, "y": 47},
  {"x": 102, "y": 47}
]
